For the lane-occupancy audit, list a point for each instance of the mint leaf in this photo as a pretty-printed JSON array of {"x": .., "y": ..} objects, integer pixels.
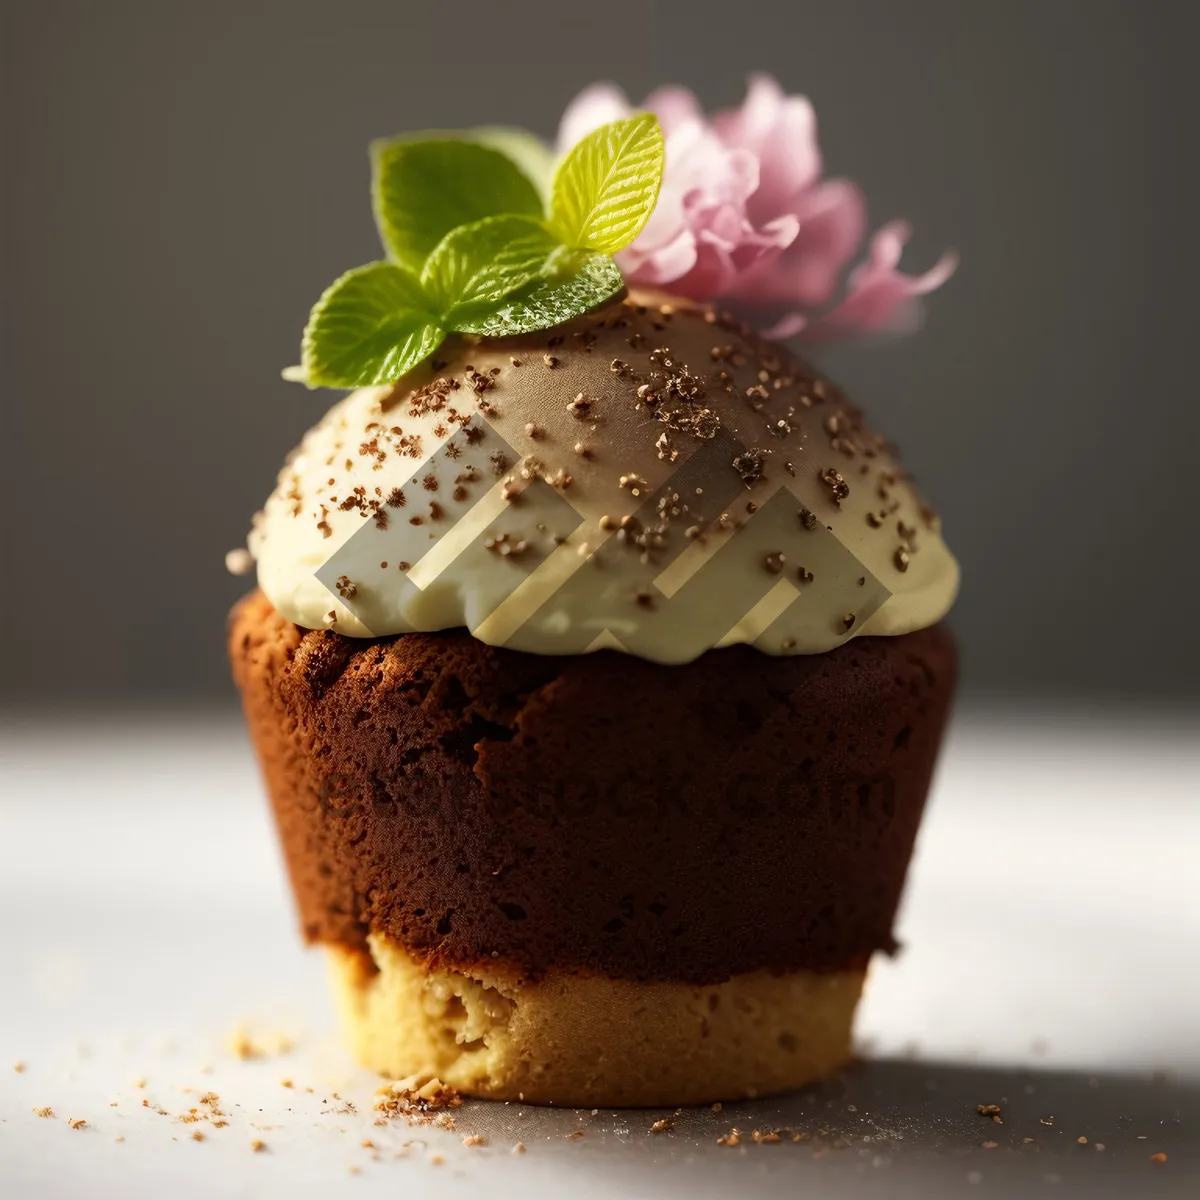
[
  {"x": 475, "y": 266},
  {"x": 370, "y": 326},
  {"x": 552, "y": 301},
  {"x": 527, "y": 150},
  {"x": 462, "y": 218},
  {"x": 607, "y": 186},
  {"x": 424, "y": 189}
]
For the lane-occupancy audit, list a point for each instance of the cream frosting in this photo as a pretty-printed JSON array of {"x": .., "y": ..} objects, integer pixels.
[{"x": 650, "y": 478}]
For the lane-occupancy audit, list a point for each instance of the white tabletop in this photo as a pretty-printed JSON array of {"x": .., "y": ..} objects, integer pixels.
[{"x": 1052, "y": 952}]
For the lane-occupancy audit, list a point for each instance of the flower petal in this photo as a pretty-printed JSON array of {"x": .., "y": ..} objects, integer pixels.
[
  {"x": 712, "y": 274},
  {"x": 760, "y": 247},
  {"x": 832, "y": 220},
  {"x": 594, "y": 106},
  {"x": 782, "y": 131},
  {"x": 744, "y": 216},
  {"x": 662, "y": 264},
  {"x": 666, "y": 221},
  {"x": 673, "y": 105},
  {"x": 757, "y": 116},
  {"x": 789, "y": 157},
  {"x": 880, "y": 297}
]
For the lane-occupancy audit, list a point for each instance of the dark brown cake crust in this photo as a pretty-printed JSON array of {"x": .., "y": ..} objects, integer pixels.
[{"x": 595, "y": 812}]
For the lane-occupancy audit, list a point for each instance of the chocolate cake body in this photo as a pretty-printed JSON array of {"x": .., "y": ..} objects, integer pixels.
[{"x": 595, "y": 813}]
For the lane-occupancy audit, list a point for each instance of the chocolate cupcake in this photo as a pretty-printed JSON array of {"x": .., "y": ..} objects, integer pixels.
[{"x": 597, "y": 676}]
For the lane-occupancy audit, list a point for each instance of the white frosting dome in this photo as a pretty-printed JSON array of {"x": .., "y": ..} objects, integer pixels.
[{"x": 649, "y": 478}]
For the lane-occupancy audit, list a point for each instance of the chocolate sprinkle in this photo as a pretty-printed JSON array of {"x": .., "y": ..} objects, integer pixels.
[
  {"x": 837, "y": 485},
  {"x": 749, "y": 465}
]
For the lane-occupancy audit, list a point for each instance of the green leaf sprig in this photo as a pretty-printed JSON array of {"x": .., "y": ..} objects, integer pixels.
[{"x": 472, "y": 249}]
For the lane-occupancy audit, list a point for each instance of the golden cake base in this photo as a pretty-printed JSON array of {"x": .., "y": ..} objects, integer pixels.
[{"x": 589, "y": 1040}]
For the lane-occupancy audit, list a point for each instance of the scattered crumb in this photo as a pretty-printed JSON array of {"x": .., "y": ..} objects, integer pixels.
[
  {"x": 239, "y": 561},
  {"x": 197, "y": 1136},
  {"x": 258, "y": 1145},
  {"x": 989, "y": 1145},
  {"x": 1082, "y": 1140},
  {"x": 44, "y": 1112},
  {"x": 662, "y": 1125},
  {"x": 77, "y": 1122},
  {"x": 436, "y": 1160},
  {"x": 119, "y": 1139},
  {"x": 140, "y": 1082},
  {"x": 989, "y": 1110},
  {"x": 519, "y": 1148},
  {"x": 18, "y": 1067},
  {"x": 1158, "y": 1158},
  {"x": 575, "y": 1135},
  {"x": 717, "y": 1106},
  {"x": 474, "y": 1139},
  {"x": 420, "y": 1100},
  {"x": 244, "y": 1045},
  {"x": 732, "y": 1138}
]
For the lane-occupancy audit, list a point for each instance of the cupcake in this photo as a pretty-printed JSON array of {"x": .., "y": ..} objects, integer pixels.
[{"x": 597, "y": 669}]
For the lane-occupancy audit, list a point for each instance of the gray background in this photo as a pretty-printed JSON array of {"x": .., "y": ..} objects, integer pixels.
[{"x": 180, "y": 181}]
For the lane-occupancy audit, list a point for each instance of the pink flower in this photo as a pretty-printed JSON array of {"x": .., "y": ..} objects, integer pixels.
[{"x": 745, "y": 218}]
